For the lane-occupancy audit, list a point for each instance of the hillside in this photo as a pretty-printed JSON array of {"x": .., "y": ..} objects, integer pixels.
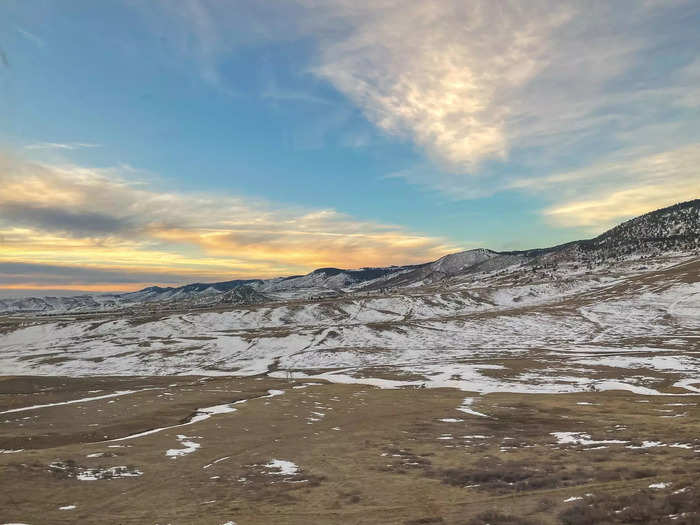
[{"x": 676, "y": 228}]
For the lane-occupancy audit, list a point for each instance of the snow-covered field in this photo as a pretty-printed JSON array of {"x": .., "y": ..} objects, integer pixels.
[{"x": 632, "y": 326}]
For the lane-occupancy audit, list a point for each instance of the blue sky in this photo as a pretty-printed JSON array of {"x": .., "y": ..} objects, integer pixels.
[{"x": 397, "y": 129}]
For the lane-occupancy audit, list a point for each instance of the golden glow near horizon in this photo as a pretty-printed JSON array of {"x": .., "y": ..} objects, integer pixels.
[
  {"x": 73, "y": 228},
  {"x": 94, "y": 288}
]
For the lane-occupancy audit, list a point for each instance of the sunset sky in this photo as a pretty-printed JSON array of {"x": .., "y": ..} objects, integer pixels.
[{"x": 164, "y": 142}]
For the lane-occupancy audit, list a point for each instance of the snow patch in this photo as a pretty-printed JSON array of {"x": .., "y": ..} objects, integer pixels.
[
  {"x": 281, "y": 467},
  {"x": 188, "y": 447},
  {"x": 464, "y": 407},
  {"x": 581, "y": 438}
]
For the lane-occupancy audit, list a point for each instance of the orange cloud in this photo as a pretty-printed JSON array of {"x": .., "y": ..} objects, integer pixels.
[
  {"x": 96, "y": 288},
  {"x": 73, "y": 216}
]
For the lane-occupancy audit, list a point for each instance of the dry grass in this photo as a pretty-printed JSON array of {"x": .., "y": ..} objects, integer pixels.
[
  {"x": 386, "y": 464},
  {"x": 644, "y": 506},
  {"x": 495, "y": 517}
]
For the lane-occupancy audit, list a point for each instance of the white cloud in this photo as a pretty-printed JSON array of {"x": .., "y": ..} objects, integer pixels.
[
  {"x": 465, "y": 81},
  {"x": 488, "y": 88},
  {"x": 441, "y": 73},
  {"x": 34, "y": 39},
  {"x": 61, "y": 145},
  {"x": 471, "y": 81},
  {"x": 604, "y": 194}
]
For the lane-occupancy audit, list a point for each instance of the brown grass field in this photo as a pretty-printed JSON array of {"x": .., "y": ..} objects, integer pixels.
[{"x": 364, "y": 455}]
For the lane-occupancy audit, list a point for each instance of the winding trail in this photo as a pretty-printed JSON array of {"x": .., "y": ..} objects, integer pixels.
[
  {"x": 201, "y": 414},
  {"x": 81, "y": 400}
]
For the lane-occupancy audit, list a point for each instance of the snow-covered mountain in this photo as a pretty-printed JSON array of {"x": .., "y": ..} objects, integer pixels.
[
  {"x": 675, "y": 229},
  {"x": 329, "y": 281},
  {"x": 524, "y": 329}
]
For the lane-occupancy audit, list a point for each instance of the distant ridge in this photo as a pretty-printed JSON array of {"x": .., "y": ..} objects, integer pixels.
[{"x": 674, "y": 229}]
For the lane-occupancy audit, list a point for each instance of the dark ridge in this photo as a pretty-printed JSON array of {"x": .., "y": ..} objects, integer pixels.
[
  {"x": 631, "y": 231},
  {"x": 328, "y": 272},
  {"x": 290, "y": 277},
  {"x": 157, "y": 289},
  {"x": 199, "y": 287}
]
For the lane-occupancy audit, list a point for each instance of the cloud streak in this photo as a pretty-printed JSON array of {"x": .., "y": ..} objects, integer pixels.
[
  {"x": 18, "y": 274},
  {"x": 60, "y": 146},
  {"x": 34, "y": 39}
]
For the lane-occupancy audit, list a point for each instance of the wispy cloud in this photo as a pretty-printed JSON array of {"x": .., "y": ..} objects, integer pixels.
[
  {"x": 441, "y": 73},
  {"x": 474, "y": 81},
  {"x": 60, "y": 145},
  {"x": 67, "y": 215},
  {"x": 34, "y": 39},
  {"x": 487, "y": 88},
  {"x": 605, "y": 193}
]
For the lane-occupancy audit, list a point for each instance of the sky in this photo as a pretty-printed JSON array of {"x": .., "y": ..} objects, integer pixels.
[{"x": 166, "y": 142}]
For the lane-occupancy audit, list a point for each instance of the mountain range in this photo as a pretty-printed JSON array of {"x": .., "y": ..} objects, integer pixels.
[{"x": 671, "y": 230}]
